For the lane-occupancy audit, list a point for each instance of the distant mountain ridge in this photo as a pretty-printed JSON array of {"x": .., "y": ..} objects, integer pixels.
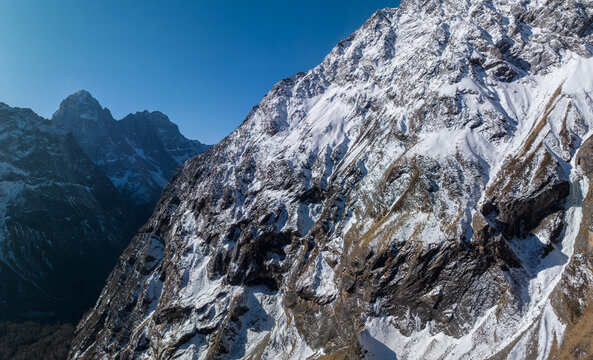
[
  {"x": 137, "y": 153},
  {"x": 60, "y": 220},
  {"x": 72, "y": 193}
]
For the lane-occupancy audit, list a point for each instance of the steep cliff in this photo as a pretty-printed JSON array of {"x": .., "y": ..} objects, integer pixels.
[{"x": 415, "y": 196}]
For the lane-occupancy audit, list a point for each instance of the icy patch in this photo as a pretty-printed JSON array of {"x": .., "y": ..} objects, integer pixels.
[
  {"x": 374, "y": 339},
  {"x": 448, "y": 143},
  {"x": 324, "y": 285},
  {"x": 89, "y": 116},
  {"x": 308, "y": 216},
  {"x": 319, "y": 278},
  {"x": 277, "y": 331}
]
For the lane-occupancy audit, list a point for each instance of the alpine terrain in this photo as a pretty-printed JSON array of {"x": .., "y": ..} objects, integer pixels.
[
  {"x": 138, "y": 153},
  {"x": 60, "y": 221},
  {"x": 423, "y": 193},
  {"x": 64, "y": 219}
]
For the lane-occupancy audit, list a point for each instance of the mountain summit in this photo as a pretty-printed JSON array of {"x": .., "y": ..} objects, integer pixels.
[
  {"x": 81, "y": 107},
  {"x": 423, "y": 193},
  {"x": 138, "y": 153}
]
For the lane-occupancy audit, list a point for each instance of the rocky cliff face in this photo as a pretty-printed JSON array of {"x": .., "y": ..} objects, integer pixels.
[
  {"x": 418, "y": 195},
  {"x": 138, "y": 153}
]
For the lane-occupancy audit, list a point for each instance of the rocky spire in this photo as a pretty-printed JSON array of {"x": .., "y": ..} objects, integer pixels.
[{"x": 79, "y": 109}]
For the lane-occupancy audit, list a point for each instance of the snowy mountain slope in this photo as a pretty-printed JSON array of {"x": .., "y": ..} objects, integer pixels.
[
  {"x": 414, "y": 196},
  {"x": 62, "y": 222},
  {"x": 138, "y": 153}
]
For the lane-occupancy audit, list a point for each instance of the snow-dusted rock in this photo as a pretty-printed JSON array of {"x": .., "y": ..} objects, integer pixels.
[{"x": 415, "y": 196}]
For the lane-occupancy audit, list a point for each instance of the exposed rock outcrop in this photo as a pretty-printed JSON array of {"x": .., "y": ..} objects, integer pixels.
[{"x": 414, "y": 196}]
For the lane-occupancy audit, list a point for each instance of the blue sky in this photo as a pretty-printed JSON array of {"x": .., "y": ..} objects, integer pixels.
[{"x": 203, "y": 63}]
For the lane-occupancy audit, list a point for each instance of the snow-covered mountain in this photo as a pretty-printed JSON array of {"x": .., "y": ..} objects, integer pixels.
[
  {"x": 62, "y": 222},
  {"x": 66, "y": 212},
  {"x": 421, "y": 194},
  {"x": 138, "y": 153}
]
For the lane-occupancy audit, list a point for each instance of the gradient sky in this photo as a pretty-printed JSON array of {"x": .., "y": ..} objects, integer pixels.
[{"x": 203, "y": 63}]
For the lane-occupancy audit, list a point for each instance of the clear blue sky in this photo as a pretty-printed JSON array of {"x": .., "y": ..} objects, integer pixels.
[{"x": 203, "y": 63}]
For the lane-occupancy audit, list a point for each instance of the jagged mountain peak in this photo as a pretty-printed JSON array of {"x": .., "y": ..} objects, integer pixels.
[
  {"x": 153, "y": 117},
  {"x": 82, "y": 96},
  {"x": 138, "y": 153},
  {"x": 155, "y": 121},
  {"x": 21, "y": 118},
  {"x": 81, "y": 109},
  {"x": 167, "y": 132},
  {"x": 81, "y": 99}
]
